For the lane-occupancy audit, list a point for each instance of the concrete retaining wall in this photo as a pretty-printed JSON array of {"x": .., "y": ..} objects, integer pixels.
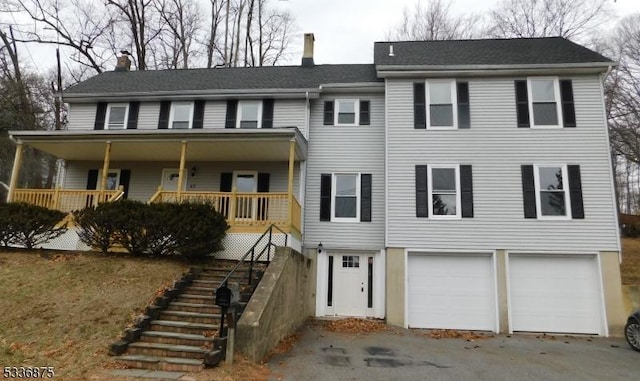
[{"x": 278, "y": 307}]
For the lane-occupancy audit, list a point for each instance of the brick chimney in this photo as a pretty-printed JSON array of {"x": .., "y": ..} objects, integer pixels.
[
  {"x": 123, "y": 64},
  {"x": 307, "y": 54}
]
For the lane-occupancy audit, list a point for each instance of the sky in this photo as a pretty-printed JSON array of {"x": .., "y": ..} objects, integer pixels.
[{"x": 344, "y": 30}]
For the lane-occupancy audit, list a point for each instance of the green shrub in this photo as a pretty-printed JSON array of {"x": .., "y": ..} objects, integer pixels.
[
  {"x": 192, "y": 230},
  {"x": 97, "y": 225},
  {"x": 29, "y": 225}
]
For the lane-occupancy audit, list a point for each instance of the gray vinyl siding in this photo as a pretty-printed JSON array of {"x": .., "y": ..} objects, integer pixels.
[
  {"x": 497, "y": 148},
  {"x": 286, "y": 113},
  {"x": 357, "y": 149},
  {"x": 146, "y": 176},
  {"x": 82, "y": 116}
]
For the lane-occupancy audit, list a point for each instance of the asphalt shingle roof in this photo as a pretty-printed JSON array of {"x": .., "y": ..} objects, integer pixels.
[
  {"x": 523, "y": 51},
  {"x": 272, "y": 77}
]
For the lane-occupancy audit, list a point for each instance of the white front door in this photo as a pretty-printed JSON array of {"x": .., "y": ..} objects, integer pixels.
[
  {"x": 113, "y": 179},
  {"x": 245, "y": 182},
  {"x": 170, "y": 180},
  {"x": 351, "y": 290}
]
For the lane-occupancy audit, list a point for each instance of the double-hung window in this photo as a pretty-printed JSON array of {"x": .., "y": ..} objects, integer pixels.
[
  {"x": 117, "y": 114},
  {"x": 552, "y": 196},
  {"x": 181, "y": 115},
  {"x": 347, "y": 112},
  {"x": 346, "y": 195},
  {"x": 544, "y": 105},
  {"x": 442, "y": 101},
  {"x": 249, "y": 114},
  {"x": 444, "y": 192}
]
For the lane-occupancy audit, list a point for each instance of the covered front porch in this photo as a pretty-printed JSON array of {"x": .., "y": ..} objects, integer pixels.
[{"x": 252, "y": 177}]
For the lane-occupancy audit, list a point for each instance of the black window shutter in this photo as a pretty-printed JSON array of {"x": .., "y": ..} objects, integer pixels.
[
  {"x": 328, "y": 113},
  {"x": 101, "y": 113},
  {"x": 568, "y": 108},
  {"x": 365, "y": 118},
  {"x": 575, "y": 192},
  {"x": 365, "y": 197},
  {"x": 263, "y": 202},
  {"x": 198, "y": 113},
  {"x": 132, "y": 120},
  {"x": 522, "y": 104},
  {"x": 232, "y": 110},
  {"x": 92, "y": 179},
  {"x": 263, "y": 182},
  {"x": 464, "y": 113},
  {"x": 422, "y": 197},
  {"x": 226, "y": 180},
  {"x": 466, "y": 185},
  {"x": 419, "y": 106},
  {"x": 125, "y": 177},
  {"x": 528, "y": 191},
  {"x": 163, "y": 121},
  {"x": 325, "y": 197},
  {"x": 267, "y": 113}
]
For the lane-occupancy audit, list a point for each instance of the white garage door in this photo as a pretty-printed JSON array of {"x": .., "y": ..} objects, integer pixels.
[
  {"x": 555, "y": 294},
  {"x": 451, "y": 291}
]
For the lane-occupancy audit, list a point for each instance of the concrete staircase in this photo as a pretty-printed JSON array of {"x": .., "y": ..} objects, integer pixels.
[{"x": 183, "y": 335}]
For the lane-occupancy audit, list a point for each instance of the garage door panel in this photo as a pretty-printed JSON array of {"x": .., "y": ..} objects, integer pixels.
[
  {"x": 554, "y": 294},
  {"x": 451, "y": 291}
]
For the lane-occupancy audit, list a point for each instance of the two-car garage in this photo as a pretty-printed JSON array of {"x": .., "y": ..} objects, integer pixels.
[{"x": 540, "y": 292}]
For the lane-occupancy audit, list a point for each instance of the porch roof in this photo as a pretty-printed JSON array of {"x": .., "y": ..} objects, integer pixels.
[{"x": 165, "y": 145}]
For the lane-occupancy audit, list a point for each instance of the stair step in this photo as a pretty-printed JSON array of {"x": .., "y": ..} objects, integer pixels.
[
  {"x": 182, "y": 327},
  {"x": 193, "y": 307},
  {"x": 196, "y": 290},
  {"x": 166, "y": 350},
  {"x": 197, "y": 299},
  {"x": 192, "y": 317},
  {"x": 176, "y": 339},
  {"x": 170, "y": 364}
]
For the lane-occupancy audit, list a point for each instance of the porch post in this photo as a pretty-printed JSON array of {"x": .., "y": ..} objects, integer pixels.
[
  {"x": 292, "y": 152},
  {"x": 183, "y": 155},
  {"x": 105, "y": 169},
  {"x": 15, "y": 172}
]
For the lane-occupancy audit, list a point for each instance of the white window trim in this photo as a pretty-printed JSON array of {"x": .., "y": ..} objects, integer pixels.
[
  {"x": 565, "y": 185},
  {"x": 108, "y": 115},
  {"x": 333, "y": 198},
  {"x": 356, "y": 108},
  {"x": 556, "y": 94},
  {"x": 454, "y": 104},
  {"x": 172, "y": 114},
  {"x": 116, "y": 171},
  {"x": 458, "y": 214},
  {"x": 239, "y": 112}
]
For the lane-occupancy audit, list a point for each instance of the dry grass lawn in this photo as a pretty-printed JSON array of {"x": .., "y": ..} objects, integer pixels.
[
  {"x": 63, "y": 310},
  {"x": 630, "y": 268}
]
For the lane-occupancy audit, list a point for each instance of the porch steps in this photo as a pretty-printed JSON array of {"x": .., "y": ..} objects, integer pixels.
[{"x": 181, "y": 336}]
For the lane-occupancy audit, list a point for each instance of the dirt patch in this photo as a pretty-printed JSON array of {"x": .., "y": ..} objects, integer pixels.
[
  {"x": 354, "y": 325},
  {"x": 630, "y": 267},
  {"x": 455, "y": 334},
  {"x": 63, "y": 309}
]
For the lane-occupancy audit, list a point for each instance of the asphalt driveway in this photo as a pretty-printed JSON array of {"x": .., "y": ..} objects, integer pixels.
[{"x": 402, "y": 354}]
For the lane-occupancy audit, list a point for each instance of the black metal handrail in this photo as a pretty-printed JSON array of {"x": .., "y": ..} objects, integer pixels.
[{"x": 252, "y": 251}]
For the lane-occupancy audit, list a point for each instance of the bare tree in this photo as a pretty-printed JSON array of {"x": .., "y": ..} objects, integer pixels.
[
  {"x": 544, "y": 18},
  {"x": 182, "y": 23},
  {"x": 434, "y": 21},
  {"x": 211, "y": 42},
  {"x": 77, "y": 24}
]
